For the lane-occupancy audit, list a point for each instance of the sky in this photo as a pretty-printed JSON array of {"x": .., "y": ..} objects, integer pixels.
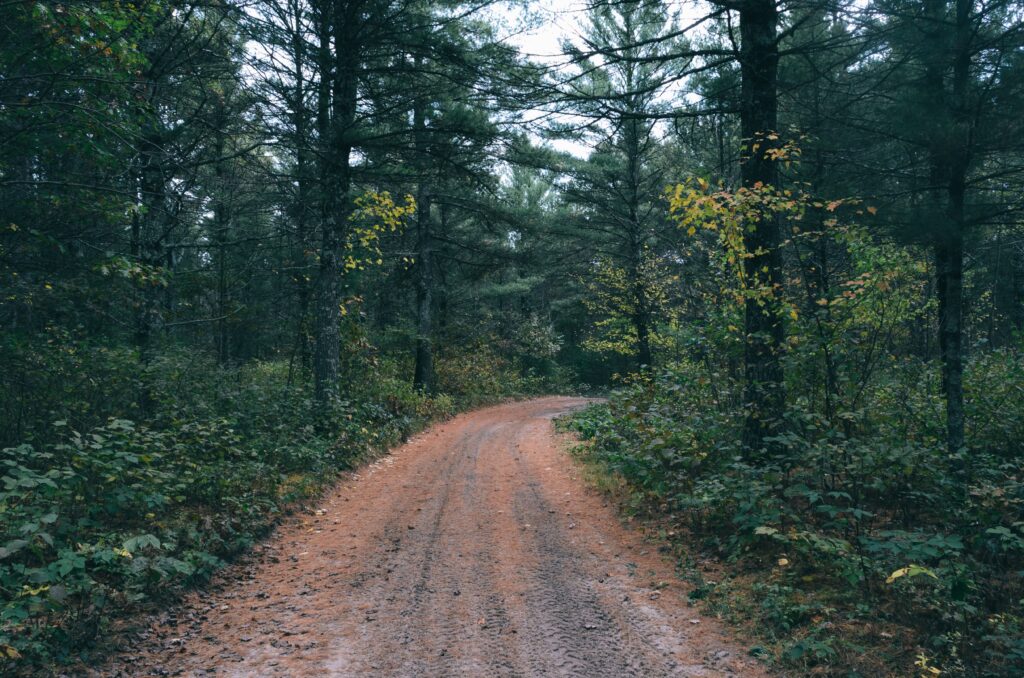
[
  {"x": 539, "y": 30},
  {"x": 539, "y": 33}
]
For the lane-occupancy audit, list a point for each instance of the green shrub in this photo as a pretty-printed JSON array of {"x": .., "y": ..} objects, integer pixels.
[
  {"x": 844, "y": 504},
  {"x": 99, "y": 519}
]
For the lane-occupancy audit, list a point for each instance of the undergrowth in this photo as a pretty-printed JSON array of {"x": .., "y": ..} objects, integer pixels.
[
  {"x": 104, "y": 517},
  {"x": 852, "y": 550}
]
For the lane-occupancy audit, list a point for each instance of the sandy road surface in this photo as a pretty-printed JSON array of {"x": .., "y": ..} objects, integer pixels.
[{"x": 474, "y": 550}]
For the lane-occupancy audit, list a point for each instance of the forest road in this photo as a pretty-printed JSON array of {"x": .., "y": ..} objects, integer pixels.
[{"x": 473, "y": 550}]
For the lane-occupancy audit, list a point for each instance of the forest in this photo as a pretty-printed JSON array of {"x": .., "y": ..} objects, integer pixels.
[{"x": 248, "y": 245}]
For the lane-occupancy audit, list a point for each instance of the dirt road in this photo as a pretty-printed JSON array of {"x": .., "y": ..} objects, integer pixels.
[{"x": 474, "y": 550}]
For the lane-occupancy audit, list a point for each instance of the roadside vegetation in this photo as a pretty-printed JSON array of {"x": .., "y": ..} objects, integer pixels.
[
  {"x": 106, "y": 515},
  {"x": 243, "y": 245},
  {"x": 852, "y": 543}
]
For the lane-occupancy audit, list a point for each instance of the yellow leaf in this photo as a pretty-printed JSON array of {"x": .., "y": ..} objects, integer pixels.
[{"x": 909, "y": 571}]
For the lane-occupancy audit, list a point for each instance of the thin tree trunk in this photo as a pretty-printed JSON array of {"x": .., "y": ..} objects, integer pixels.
[
  {"x": 949, "y": 262},
  {"x": 222, "y": 220},
  {"x": 145, "y": 251},
  {"x": 423, "y": 378},
  {"x": 641, "y": 315},
  {"x": 301, "y": 123}
]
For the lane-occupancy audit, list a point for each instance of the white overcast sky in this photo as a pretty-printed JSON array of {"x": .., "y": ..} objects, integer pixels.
[
  {"x": 538, "y": 33},
  {"x": 540, "y": 30}
]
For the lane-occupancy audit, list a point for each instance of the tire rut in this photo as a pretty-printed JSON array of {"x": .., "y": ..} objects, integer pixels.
[{"x": 474, "y": 550}]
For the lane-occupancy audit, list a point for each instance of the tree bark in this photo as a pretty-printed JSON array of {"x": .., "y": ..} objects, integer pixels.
[
  {"x": 338, "y": 99},
  {"x": 423, "y": 376},
  {"x": 641, "y": 314},
  {"x": 950, "y": 157},
  {"x": 949, "y": 263},
  {"x": 146, "y": 251},
  {"x": 300, "y": 121},
  {"x": 222, "y": 224},
  {"x": 641, "y": 317},
  {"x": 764, "y": 393}
]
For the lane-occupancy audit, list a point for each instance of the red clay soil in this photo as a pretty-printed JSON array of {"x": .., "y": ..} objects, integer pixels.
[{"x": 473, "y": 550}]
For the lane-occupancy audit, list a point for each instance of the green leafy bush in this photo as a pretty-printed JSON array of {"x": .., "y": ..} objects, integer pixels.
[
  {"x": 100, "y": 520},
  {"x": 851, "y": 521}
]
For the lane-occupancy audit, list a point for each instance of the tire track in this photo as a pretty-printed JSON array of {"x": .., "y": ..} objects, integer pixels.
[{"x": 471, "y": 551}]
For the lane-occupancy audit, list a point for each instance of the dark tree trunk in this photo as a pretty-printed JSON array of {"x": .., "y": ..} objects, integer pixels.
[
  {"x": 423, "y": 378},
  {"x": 949, "y": 265},
  {"x": 643, "y": 341},
  {"x": 301, "y": 115},
  {"x": 147, "y": 223},
  {"x": 222, "y": 222},
  {"x": 951, "y": 252},
  {"x": 950, "y": 155},
  {"x": 764, "y": 389},
  {"x": 338, "y": 99},
  {"x": 642, "y": 325},
  {"x": 641, "y": 317}
]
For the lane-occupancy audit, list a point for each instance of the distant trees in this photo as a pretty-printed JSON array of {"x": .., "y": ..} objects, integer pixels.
[
  {"x": 911, "y": 131},
  {"x": 958, "y": 78},
  {"x": 625, "y": 69},
  {"x": 357, "y": 192},
  {"x": 209, "y": 159}
]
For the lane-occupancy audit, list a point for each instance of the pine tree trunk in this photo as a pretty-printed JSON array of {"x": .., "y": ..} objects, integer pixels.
[
  {"x": 949, "y": 264},
  {"x": 950, "y": 161},
  {"x": 642, "y": 323},
  {"x": 423, "y": 378},
  {"x": 145, "y": 249},
  {"x": 764, "y": 389},
  {"x": 336, "y": 184},
  {"x": 300, "y": 120},
  {"x": 423, "y": 375},
  {"x": 222, "y": 224}
]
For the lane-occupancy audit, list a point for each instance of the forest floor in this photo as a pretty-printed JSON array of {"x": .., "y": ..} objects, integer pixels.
[{"x": 476, "y": 549}]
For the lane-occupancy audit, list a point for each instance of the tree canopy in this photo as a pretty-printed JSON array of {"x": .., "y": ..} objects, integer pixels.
[{"x": 242, "y": 243}]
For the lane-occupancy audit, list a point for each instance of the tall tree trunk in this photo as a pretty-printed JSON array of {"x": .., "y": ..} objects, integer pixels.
[
  {"x": 300, "y": 121},
  {"x": 764, "y": 389},
  {"x": 949, "y": 264},
  {"x": 222, "y": 219},
  {"x": 145, "y": 249},
  {"x": 950, "y": 156},
  {"x": 641, "y": 317},
  {"x": 338, "y": 99},
  {"x": 423, "y": 376},
  {"x": 641, "y": 311}
]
